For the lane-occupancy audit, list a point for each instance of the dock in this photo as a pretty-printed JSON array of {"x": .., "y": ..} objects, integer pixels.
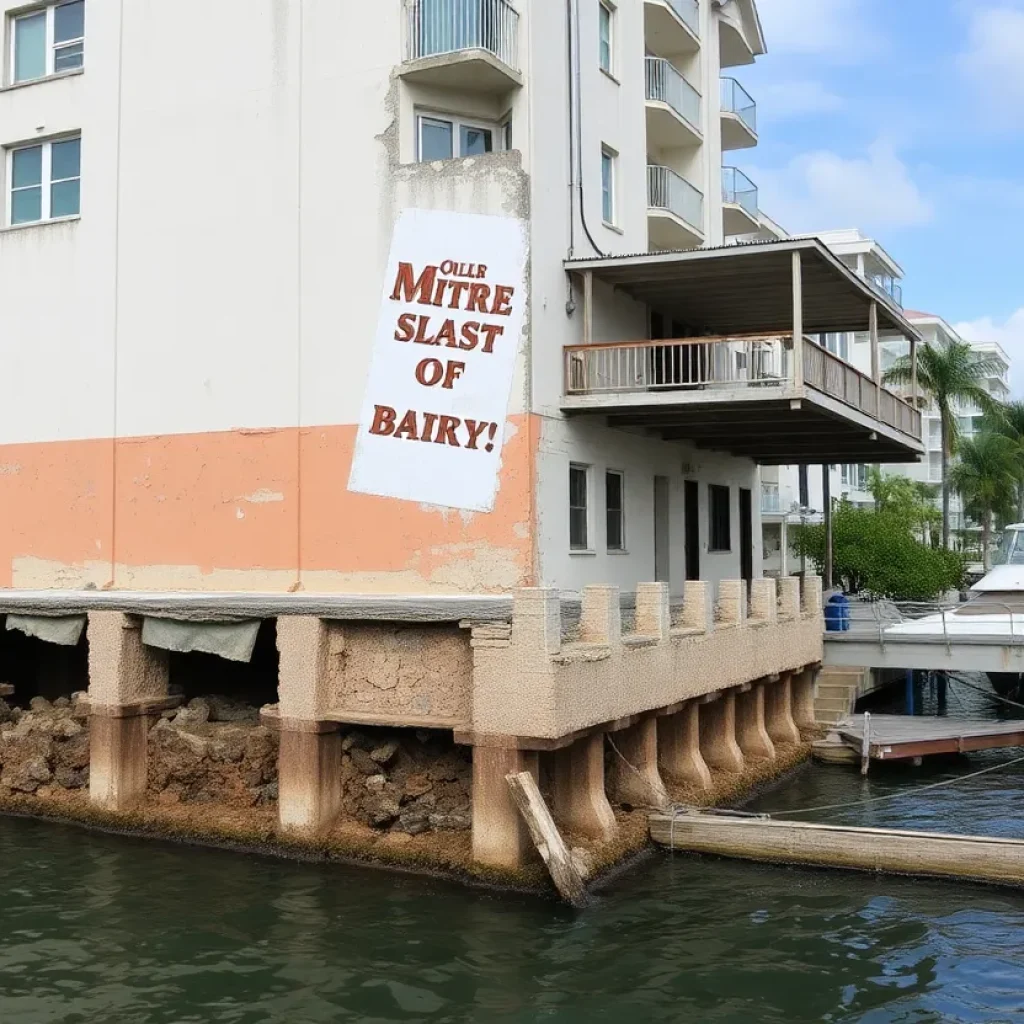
[
  {"x": 895, "y": 851},
  {"x": 901, "y": 737}
]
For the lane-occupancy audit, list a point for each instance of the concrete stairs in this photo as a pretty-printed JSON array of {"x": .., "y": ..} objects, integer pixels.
[{"x": 837, "y": 692}]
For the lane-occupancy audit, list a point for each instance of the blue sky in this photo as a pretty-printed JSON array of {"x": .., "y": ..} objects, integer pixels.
[{"x": 904, "y": 118}]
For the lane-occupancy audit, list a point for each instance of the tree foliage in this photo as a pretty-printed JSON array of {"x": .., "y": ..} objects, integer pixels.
[
  {"x": 985, "y": 476},
  {"x": 875, "y": 552},
  {"x": 913, "y": 500}
]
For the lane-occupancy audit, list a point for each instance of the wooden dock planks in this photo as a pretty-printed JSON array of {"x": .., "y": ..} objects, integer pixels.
[
  {"x": 893, "y": 737},
  {"x": 896, "y": 851}
]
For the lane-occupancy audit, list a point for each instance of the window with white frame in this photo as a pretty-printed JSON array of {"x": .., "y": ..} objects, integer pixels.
[
  {"x": 47, "y": 41},
  {"x": 44, "y": 181},
  {"x": 607, "y": 185},
  {"x": 606, "y": 23},
  {"x": 615, "y": 510},
  {"x": 442, "y": 137},
  {"x": 579, "y": 485}
]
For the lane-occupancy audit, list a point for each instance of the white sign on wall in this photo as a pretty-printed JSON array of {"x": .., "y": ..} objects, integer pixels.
[{"x": 448, "y": 334}]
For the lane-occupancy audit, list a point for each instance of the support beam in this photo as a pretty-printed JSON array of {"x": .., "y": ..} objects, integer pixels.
[
  {"x": 876, "y": 362},
  {"x": 751, "y": 733},
  {"x": 500, "y": 837},
  {"x": 826, "y": 509},
  {"x": 679, "y": 749},
  {"x": 579, "y": 802},
  {"x": 913, "y": 372},
  {"x": 798, "y": 322},
  {"x": 718, "y": 744},
  {"x": 634, "y": 777},
  {"x": 588, "y": 307},
  {"x": 309, "y": 776}
]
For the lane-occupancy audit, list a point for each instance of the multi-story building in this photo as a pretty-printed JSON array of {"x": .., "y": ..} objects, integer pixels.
[{"x": 345, "y": 308}]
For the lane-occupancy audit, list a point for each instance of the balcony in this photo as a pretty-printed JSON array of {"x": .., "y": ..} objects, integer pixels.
[
  {"x": 672, "y": 26},
  {"x": 739, "y": 202},
  {"x": 889, "y": 287},
  {"x": 470, "y": 45},
  {"x": 739, "y": 116},
  {"x": 750, "y": 380},
  {"x": 675, "y": 210},
  {"x": 673, "y": 107},
  {"x": 771, "y": 500}
]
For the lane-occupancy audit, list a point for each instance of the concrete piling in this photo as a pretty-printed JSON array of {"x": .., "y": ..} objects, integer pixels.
[
  {"x": 500, "y": 838},
  {"x": 634, "y": 766},
  {"x": 718, "y": 744},
  {"x": 751, "y": 734},
  {"x": 580, "y": 804},
  {"x": 679, "y": 748}
]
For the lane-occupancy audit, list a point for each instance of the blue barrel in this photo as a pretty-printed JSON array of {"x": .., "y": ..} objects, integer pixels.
[{"x": 837, "y": 614}]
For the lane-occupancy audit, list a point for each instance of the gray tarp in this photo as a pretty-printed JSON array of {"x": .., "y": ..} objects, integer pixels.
[
  {"x": 231, "y": 640},
  {"x": 65, "y": 630}
]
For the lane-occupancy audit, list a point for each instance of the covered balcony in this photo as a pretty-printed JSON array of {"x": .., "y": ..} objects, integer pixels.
[
  {"x": 675, "y": 210},
  {"x": 739, "y": 116},
  {"x": 673, "y": 106},
  {"x": 745, "y": 374},
  {"x": 470, "y": 45},
  {"x": 739, "y": 202},
  {"x": 672, "y": 26}
]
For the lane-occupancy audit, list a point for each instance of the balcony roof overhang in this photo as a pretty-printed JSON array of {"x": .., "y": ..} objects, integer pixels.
[{"x": 748, "y": 288}]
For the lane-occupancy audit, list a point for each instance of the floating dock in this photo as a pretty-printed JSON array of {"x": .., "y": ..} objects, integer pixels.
[
  {"x": 896, "y": 851},
  {"x": 896, "y": 737}
]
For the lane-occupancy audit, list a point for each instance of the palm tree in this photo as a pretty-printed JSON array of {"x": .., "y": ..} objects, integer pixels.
[
  {"x": 985, "y": 476},
  {"x": 949, "y": 374},
  {"x": 1009, "y": 421}
]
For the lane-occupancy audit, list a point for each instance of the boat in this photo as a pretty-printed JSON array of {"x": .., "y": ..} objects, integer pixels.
[{"x": 994, "y": 611}]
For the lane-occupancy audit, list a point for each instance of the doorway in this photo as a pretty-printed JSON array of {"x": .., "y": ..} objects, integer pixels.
[
  {"x": 746, "y": 534},
  {"x": 691, "y": 527},
  {"x": 661, "y": 529}
]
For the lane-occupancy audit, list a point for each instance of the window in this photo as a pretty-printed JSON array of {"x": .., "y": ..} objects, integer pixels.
[
  {"x": 615, "y": 510},
  {"x": 579, "y": 479},
  {"x": 608, "y": 186},
  {"x": 45, "y": 181},
  {"x": 48, "y": 41},
  {"x": 720, "y": 526},
  {"x": 605, "y": 15},
  {"x": 445, "y": 138}
]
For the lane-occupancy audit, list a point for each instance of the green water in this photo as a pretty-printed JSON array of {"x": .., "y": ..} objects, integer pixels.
[{"x": 105, "y": 929}]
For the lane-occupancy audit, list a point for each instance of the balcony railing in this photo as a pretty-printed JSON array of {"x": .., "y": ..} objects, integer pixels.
[
  {"x": 666, "y": 85},
  {"x": 736, "y": 100},
  {"x": 666, "y": 190},
  {"x": 888, "y": 287},
  {"x": 739, "y": 189},
  {"x": 762, "y": 362},
  {"x": 689, "y": 13},
  {"x": 770, "y": 498},
  {"x": 447, "y": 26}
]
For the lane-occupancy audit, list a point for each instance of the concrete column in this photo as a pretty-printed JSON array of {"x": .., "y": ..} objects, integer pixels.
[
  {"x": 124, "y": 675},
  {"x": 751, "y": 733},
  {"x": 694, "y": 614},
  {"x": 652, "y": 610},
  {"x": 309, "y": 775},
  {"x": 679, "y": 748},
  {"x": 778, "y": 712},
  {"x": 601, "y": 616},
  {"x": 802, "y": 699},
  {"x": 634, "y": 766},
  {"x": 500, "y": 838},
  {"x": 718, "y": 744},
  {"x": 580, "y": 804}
]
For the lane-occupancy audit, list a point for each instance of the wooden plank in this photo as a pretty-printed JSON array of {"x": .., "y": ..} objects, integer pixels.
[
  {"x": 896, "y": 851},
  {"x": 894, "y": 737},
  {"x": 547, "y": 838}
]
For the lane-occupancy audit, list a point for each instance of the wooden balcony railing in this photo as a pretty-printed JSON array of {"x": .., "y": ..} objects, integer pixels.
[{"x": 763, "y": 361}]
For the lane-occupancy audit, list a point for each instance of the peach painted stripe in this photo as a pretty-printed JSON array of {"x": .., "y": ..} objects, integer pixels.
[{"x": 192, "y": 506}]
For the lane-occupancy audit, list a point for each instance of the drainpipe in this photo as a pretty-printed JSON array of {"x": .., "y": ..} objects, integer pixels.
[{"x": 826, "y": 504}]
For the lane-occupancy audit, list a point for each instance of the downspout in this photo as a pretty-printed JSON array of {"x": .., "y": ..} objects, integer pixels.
[{"x": 576, "y": 104}]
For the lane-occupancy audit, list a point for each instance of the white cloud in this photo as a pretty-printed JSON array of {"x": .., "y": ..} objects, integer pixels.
[
  {"x": 839, "y": 28},
  {"x": 994, "y": 61},
  {"x": 795, "y": 99},
  {"x": 1009, "y": 333},
  {"x": 821, "y": 190}
]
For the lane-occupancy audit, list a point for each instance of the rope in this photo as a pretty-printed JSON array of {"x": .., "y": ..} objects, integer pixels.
[
  {"x": 903, "y": 793},
  {"x": 636, "y": 771}
]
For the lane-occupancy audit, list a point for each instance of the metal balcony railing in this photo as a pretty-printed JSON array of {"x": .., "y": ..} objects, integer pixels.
[
  {"x": 666, "y": 190},
  {"x": 739, "y": 189},
  {"x": 762, "y": 362},
  {"x": 666, "y": 85},
  {"x": 736, "y": 100},
  {"x": 770, "y": 498},
  {"x": 448, "y": 26},
  {"x": 888, "y": 287},
  {"x": 688, "y": 12}
]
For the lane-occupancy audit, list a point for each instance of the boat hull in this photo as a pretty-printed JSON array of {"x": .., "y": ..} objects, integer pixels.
[{"x": 1005, "y": 683}]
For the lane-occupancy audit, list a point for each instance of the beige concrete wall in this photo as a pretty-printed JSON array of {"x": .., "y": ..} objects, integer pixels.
[
  {"x": 414, "y": 671},
  {"x": 535, "y": 685}
]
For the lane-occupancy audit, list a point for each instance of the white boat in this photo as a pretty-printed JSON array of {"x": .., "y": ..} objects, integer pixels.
[{"x": 994, "y": 611}]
